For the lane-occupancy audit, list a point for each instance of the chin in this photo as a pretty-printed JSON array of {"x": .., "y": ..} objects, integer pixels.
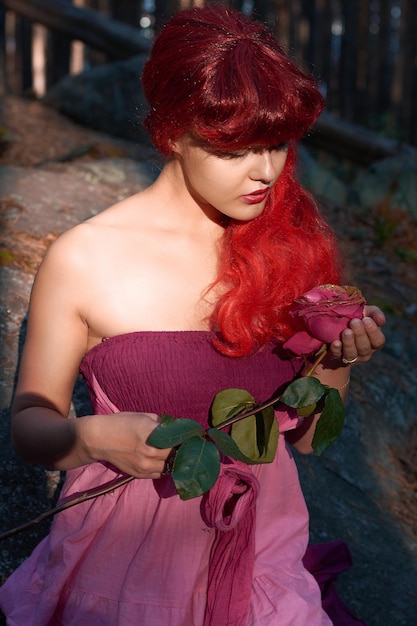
[{"x": 246, "y": 216}]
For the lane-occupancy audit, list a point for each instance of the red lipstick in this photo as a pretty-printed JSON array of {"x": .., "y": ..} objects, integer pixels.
[{"x": 256, "y": 196}]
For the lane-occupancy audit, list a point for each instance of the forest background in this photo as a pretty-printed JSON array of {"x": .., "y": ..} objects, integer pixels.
[{"x": 364, "y": 52}]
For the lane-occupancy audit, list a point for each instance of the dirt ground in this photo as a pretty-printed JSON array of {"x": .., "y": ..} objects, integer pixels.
[{"x": 380, "y": 246}]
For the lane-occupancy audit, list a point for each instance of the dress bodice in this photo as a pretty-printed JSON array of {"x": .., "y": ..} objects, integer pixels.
[{"x": 179, "y": 372}]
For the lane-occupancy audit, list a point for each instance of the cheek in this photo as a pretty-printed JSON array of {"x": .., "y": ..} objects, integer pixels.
[
  {"x": 214, "y": 179},
  {"x": 279, "y": 163}
]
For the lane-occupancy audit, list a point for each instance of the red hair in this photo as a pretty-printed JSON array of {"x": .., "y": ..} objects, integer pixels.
[
  {"x": 268, "y": 262},
  {"x": 223, "y": 76}
]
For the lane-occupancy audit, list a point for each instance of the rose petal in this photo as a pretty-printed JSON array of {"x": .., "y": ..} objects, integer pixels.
[
  {"x": 327, "y": 328},
  {"x": 329, "y": 324},
  {"x": 302, "y": 343}
]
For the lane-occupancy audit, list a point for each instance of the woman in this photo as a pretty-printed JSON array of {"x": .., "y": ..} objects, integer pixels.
[{"x": 163, "y": 300}]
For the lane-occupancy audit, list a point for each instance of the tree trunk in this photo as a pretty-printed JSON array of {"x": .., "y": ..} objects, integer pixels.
[
  {"x": 348, "y": 61},
  {"x": 58, "y": 57},
  {"x": 3, "y": 81},
  {"x": 23, "y": 35},
  {"x": 164, "y": 9}
]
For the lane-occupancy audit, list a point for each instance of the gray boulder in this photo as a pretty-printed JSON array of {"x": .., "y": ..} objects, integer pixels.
[
  {"x": 108, "y": 98},
  {"x": 390, "y": 184}
]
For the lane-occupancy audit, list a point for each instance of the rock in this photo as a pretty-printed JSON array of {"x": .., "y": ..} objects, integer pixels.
[
  {"x": 390, "y": 184},
  {"x": 108, "y": 98},
  {"x": 319, "y": 180}
]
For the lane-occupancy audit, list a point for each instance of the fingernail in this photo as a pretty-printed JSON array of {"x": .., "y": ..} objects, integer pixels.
[
  {"x": 355, "y": 323},
  {"x": 367, "y": 321}
]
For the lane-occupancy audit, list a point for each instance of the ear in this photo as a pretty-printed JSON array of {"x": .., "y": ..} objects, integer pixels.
[{"x": 176, "y": 147}]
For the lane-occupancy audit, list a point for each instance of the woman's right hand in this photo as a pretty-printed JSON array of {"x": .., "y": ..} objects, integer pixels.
[{"x": 121, "y": 439}]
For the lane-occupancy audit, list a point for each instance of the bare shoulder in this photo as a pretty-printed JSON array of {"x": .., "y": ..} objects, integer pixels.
[{"x": 79, "y": 246}]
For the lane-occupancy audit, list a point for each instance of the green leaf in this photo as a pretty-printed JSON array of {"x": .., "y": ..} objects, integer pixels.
[
  {"x": 227, "y": 446},
  {"x": 165, "y": 419},
  {"x": 303, "y": 392},
  {"x": 305, "y": 411},
  {"x": 257, "y": 436},
  {"x": 196, "y": 467},
  {"x": 174, "y": 432},
  {"x": 330, "y": 422},
  {"x": 228, "y": 403}
]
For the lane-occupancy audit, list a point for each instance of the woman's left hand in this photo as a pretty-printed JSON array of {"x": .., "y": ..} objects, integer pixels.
[{"x": 362, "y": 339}]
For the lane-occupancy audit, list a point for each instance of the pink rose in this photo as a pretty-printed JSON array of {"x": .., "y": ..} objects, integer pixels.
[{"x": 322, "y": 314}]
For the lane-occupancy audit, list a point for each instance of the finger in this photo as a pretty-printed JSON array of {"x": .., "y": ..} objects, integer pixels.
[
  {"x": 336, "y": 348},
  {"x": 355, "y": 342},
  {"x": 360, "y": 340},
  {"x": 375, "y": 335},
  {"x": 154, "y": 467},
  {"x": 349, "y": 346},
  {"x": 344, "y": 351},
  {"x": 155, "y": 457},
  {"x": 149, "y": 475},
  {"x": 366, "y": 337},
  {"x": 375, "y": 313},
  {"x": 358, "y": 344}
]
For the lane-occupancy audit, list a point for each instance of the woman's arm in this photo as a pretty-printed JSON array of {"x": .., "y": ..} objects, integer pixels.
[
  {"x": 358, "y": 342},
  {"x": 56, "y": 340}
]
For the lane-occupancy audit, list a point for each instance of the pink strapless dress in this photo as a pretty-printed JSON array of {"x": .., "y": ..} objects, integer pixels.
[{"x": 140, "y": 556}]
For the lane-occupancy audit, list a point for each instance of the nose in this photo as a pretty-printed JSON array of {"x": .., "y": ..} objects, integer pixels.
[{"x": 265, "y": 167}]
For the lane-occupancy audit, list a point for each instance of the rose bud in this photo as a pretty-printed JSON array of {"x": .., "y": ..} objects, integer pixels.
[{"x": 322, "y": 314}]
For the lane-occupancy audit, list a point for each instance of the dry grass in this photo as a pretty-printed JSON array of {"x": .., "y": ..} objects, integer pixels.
[{"x": 20, "y": 249}]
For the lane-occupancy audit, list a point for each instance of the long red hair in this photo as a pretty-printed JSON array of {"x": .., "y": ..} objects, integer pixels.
[{"x": 223, "y": 76}]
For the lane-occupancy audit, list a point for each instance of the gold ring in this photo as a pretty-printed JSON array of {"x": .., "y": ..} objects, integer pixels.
[{"x": 349, "y": 361}]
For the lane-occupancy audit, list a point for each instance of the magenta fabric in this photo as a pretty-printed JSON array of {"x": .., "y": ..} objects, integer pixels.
[
  {"x": 141, "y": 556},
  {"x": 233, "y": 551},
  {"x": 326, "y": 561}
]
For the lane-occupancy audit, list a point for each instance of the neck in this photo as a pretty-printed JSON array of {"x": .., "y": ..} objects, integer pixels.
[{"x": 172, "y": 191}]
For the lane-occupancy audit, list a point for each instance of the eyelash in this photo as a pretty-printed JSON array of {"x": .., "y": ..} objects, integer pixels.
[{"x": 239, "y": 155}]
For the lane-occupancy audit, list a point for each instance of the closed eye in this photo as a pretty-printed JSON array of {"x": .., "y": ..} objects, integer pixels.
[
  {"x": 242, "y": 153},
  {"x": 279, "y": 148}
]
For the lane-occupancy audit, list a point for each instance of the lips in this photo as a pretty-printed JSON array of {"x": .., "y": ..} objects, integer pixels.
[{"x": 256, "y": 196}]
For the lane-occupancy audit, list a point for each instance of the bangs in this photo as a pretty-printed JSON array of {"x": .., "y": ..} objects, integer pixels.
[
  {"x": 257, "y": 99},
  {"x": 257, "y": 128}
]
